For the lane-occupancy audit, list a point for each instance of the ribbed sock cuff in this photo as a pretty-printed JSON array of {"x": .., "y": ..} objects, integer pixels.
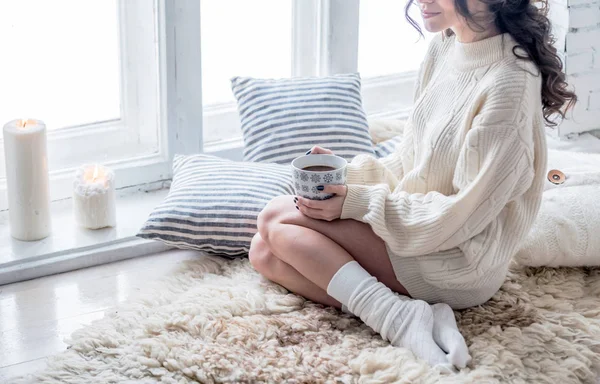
[{"x": 345, "y": 281}]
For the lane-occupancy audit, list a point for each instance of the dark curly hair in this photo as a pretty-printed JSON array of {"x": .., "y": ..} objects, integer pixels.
[{"x": 529, "y": 25}]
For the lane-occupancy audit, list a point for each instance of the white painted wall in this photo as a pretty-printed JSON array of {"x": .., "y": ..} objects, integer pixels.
[{"x": 576, "y": 25}]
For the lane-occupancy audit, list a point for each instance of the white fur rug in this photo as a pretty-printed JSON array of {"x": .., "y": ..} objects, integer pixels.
[{"x": 217, "y": 321}]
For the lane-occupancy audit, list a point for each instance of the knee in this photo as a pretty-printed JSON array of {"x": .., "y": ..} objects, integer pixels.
[
  {"x": 260, "y": 255},
  {"x": 270, "y": 216}
]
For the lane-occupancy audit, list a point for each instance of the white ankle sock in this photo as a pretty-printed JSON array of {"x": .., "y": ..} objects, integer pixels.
[
  {"x": 448, "y": 337},
  {"x": 404, "y": 322}
]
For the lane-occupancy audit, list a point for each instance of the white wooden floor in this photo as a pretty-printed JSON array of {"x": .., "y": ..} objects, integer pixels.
[{"x": 37, "y": 315}]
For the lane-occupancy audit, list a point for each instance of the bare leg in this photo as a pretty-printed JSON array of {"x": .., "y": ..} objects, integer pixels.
[
  {"x": 354, "y": 240},
  {"x": 304, "y": 244},
  {"x": 303, "y": 254},
  {"x": 271, "y": 267}
]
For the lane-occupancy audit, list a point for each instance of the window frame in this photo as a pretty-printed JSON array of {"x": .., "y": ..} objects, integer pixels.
[
  {"x": 159, "y": 115},
  {"x": 325, "y": 42}
]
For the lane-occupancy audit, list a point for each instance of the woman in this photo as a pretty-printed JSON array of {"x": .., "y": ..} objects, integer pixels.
[{"x": 438, "y": 221}]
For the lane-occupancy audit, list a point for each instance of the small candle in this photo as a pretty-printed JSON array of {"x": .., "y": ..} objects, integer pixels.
[
  {"x": 27, "y": 179},
  {"x": 94, "y": 197}
]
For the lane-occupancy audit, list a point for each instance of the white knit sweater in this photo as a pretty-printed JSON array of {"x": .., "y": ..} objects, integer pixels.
[{"x": 463, "y": 190}]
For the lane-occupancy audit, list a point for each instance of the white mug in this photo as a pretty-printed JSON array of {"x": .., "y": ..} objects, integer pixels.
[{"x": 307, "y": 181}]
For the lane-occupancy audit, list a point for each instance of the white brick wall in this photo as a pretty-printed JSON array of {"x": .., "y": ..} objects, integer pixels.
[
  {"x": 581, "y": 40},
  {"x": 576, "y": 26},
  {"x": 581, "y": 2},
  {"x": 580, "y": 62},
  {"x": 584, "y": 15},
  {"x": 594, "y": 101}
]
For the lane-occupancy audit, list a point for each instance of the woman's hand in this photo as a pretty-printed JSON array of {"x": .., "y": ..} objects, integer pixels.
[
  {"x": 328, "y": 210},
  {"x": 316, "y": 150}
]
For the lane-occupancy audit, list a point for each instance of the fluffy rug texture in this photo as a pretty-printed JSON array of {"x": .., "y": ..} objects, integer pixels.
[{"x": 218, "y": 321}]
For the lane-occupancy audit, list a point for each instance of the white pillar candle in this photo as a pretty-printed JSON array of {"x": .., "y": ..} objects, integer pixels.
[
  {"x": 27, "y": 179},
  {"x": 94, "y": 197}
]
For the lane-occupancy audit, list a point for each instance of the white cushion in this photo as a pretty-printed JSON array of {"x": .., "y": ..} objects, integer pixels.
[
  {"x": 566, "y": 231},
  {"x": 579, "y": 168},
  {"x": 382, "y": 130}
]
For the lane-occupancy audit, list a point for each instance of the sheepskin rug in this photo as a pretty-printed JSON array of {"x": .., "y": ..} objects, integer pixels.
[{"x": 218, "y": 321}]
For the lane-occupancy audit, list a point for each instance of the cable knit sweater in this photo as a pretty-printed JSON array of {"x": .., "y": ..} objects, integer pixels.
[{"x": 463, "y": 189}]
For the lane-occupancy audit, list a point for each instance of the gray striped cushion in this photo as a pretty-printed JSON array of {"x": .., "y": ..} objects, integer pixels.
[
  {"x": 282, "y": 119},
  {"x": 213, "y": 203},
  {"x": 387, "y": 147}
]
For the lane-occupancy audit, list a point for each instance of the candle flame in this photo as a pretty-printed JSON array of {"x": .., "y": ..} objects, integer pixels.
[
  {"x": 23, "y": 123},
  {"x": 95, "y": 175}
]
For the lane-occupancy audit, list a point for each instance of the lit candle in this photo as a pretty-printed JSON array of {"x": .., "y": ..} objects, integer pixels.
[
  {"x": 94, "y": 197},
  {"x": 27, "y": 179}
]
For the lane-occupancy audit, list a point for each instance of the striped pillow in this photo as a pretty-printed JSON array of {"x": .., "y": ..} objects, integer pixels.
[
  {"x": 282, "y": 119},
  {"x": 213, "y": 203},
  {"x": 387, "y": 147}
]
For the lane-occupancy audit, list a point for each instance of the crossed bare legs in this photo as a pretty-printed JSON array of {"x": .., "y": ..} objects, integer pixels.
[{"x": 344, "y": 262}]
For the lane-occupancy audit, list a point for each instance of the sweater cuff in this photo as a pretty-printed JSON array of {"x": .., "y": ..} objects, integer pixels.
[
  {"x": 356, "y": 204},
  {"x": 355, "y": 174}
]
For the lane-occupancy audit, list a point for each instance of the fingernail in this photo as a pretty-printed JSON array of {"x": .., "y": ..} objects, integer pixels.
[
  {"x": 297, "y": 207},
  {"x": 308, "y": 152},
  {"x": 320, "y": 188},
  {"x": 295, "y": 199}
]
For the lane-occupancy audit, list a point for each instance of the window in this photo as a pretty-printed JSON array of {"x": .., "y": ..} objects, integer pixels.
[
  {"x": 240, "y": 38},
  {"x": 281, "y": 38},
  {"x": 124, "y": 90},
  {"x": 387, "y": 43},
  {"x": 90, "y": 71},
  {"x": 390, "y": 52},
  {"x": 70, "y": 79}
]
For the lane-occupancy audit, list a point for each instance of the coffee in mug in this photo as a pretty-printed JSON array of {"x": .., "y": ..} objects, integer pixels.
[{"x": 318, "y": 168}]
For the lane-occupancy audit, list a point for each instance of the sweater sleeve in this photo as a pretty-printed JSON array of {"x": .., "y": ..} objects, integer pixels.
[
  {"x": 495, "y": 165},
  {"x": 367, "y": 170},
  {"x": 389, "y": 170}
]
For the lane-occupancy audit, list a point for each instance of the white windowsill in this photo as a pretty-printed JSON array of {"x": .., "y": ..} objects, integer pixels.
[{"x": 70, "y": 247}]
